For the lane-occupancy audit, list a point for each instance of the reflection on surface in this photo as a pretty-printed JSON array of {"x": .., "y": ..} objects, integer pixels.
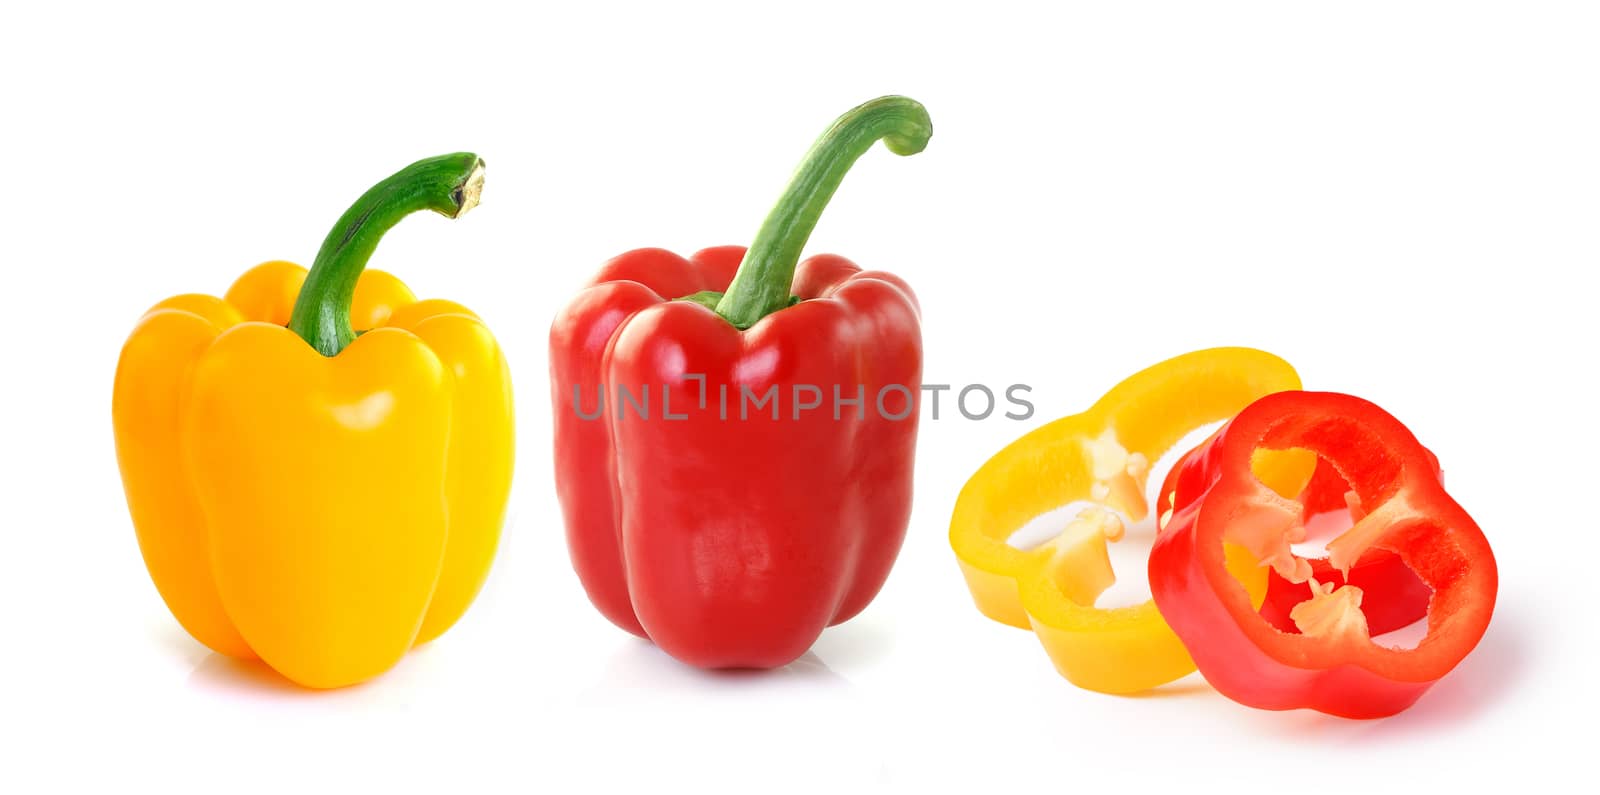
[
  {"x": 857, "y": 644},
  {"x": 639, "y": 665},
  {"x": 223, "y": 673},
  {"x": 679, "y": 721},
  {"x": 1191, "y": 686}
]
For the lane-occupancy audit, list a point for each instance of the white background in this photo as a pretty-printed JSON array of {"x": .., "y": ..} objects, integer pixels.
[{"x": 1401, "y": 199}]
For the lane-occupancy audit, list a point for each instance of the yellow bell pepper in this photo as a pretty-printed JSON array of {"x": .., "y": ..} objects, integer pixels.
[
  {"x": 1103, "y": 456},
  {"x": 316, "y": 499}
]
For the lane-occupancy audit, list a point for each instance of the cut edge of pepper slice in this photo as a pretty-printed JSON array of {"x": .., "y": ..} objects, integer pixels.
[
  {"x": 1409, "y": 507},
  {"x": 1333, "y": 665},
  {"x": 1102, "y": 456}
]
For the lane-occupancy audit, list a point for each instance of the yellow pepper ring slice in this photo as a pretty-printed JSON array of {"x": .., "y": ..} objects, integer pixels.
[{"x": 1102, "y": 456}]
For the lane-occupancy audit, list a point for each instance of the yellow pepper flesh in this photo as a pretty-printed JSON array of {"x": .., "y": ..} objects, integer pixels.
[{"x": 1102, "y": 456}]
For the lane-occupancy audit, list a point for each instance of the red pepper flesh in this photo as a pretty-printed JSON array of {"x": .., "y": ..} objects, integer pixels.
[
  {"x": 1394, "y": 596},
  {"x": 1332, "y": 665}
]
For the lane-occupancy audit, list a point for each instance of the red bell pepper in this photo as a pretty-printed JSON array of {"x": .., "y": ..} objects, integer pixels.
[
  {"x": 1332, "y": 665},
  {"x": 1394, "y": 596},
  {"x": 734, "y": 433}
]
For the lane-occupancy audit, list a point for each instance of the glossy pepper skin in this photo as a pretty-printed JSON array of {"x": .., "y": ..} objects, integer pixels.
[
  {"x": 320, "y": 501},
  {"x": 1331, "y": 665},
  {"x": 734, "y": 533},
  {"x": 1103, "y": 456}
]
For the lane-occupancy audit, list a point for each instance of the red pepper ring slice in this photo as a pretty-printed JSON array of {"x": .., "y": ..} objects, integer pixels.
[{"x": 1332, "y": 666}]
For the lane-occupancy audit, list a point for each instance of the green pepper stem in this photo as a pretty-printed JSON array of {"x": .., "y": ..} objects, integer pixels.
[
  {"x": 761, "y": 285},
  {"x": 448, "y": 185}
]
